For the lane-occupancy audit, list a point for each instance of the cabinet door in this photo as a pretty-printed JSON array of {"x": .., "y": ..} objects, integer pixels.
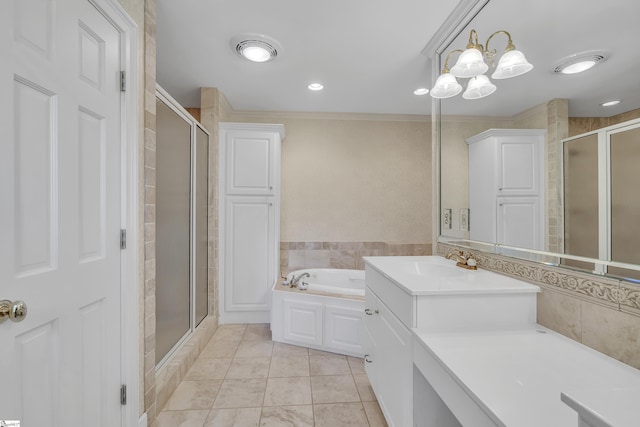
[
  {"x": 343, "y": 329},
  {"x": 249, "y": 256},
  {"x": 370, "y": 338},
  {"x": 519, "y": 166},
  {"x": 302, "y": 322},
  {"x": 250, "y": 162},
  {"x": 519, "y": 222}
]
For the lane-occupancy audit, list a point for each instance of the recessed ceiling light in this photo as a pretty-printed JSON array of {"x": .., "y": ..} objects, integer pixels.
[
  {"x": 315, "y": 86},
  {"x": 256, "y": 47},
  {"x": 610, "y": 103},
  {"x": 579, "y": 62},
  {"x": 421, "y": 91}
]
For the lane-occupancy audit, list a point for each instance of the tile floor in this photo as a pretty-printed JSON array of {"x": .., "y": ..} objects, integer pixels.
[{"x": 242, "y": 378}]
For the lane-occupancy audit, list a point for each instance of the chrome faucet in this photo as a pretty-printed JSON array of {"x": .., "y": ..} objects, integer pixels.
[
  {"x": 469, "y": 262},
  {"x": 295, "y": 280}
]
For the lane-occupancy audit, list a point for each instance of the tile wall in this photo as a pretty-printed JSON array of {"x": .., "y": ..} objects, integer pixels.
[{"x": 345, "y": 255}]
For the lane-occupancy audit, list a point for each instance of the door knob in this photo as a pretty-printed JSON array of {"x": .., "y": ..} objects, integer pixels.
[{"x": 16, "y": 311}]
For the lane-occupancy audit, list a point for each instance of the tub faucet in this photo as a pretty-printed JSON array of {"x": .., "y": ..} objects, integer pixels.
[
  {"x": 295, "y": 280},
  {"x": 469, "y": 262}
]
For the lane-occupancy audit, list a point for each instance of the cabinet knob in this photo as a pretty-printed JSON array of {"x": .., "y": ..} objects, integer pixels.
[
  {"x": 270, "y": 187},
  {"x": 368, "y": 312},
  {"x": 366, "y": 359}
]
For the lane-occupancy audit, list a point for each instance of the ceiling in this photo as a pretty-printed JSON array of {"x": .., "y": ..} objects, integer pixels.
[{"x": 367, "y": 53}]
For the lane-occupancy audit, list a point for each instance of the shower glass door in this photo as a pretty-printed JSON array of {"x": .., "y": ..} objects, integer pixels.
[{"x": 182, "y": 174}]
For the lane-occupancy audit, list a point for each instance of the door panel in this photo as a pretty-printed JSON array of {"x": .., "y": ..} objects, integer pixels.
[{"x": 60, "y": 180}]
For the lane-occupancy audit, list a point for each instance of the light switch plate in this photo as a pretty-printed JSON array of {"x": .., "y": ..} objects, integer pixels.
[{"x": 464, "y": 219}]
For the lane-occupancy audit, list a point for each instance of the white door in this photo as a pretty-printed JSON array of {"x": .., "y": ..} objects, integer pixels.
[{"x": 60, "y": 213}]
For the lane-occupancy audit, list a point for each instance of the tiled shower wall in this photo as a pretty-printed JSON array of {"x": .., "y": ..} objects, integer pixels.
[{"x": 344, "y": 255}]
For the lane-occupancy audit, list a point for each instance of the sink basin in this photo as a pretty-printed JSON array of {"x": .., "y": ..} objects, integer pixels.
[{"x": 429, "y": 269}]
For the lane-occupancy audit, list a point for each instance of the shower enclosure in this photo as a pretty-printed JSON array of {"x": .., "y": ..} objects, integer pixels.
[
  {"x": 182, "y": 159},
  {"x": 601, "y": 203}
]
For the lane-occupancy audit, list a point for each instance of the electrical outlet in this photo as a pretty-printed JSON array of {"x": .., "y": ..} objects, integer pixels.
[{"x": 446, "y": 219}]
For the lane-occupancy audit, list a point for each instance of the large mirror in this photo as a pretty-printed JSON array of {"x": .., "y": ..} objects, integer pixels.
[{"x": 540, "y": 169}]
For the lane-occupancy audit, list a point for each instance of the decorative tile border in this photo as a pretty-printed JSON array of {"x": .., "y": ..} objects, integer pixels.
[{"x": 617, "y": 294}]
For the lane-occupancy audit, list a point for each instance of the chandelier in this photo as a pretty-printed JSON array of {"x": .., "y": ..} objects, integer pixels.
[{"x": 473, "y": 63}]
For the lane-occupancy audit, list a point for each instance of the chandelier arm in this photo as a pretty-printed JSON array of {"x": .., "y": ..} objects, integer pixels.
[
  {"x": 445, "y": 69},
  {"x": 510, "y": 45}
]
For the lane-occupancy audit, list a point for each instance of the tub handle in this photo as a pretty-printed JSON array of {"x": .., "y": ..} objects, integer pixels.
[
  {"x": 366, "y": 359},
  {"x": 368, "y": 312}
]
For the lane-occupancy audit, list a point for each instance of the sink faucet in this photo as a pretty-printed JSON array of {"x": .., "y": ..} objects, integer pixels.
[
  {"x": 469, "y": 262},
  {"x": 295, "y": 280}
]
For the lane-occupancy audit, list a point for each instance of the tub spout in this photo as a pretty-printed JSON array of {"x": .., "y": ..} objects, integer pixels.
[{"x": 296, "y": 279}]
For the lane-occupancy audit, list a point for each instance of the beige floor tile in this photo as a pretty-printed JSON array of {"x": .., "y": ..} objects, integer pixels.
[
  {"x": 257, "y": 332},
  {"x": 340, "y": 415},
  {"x": 356, "y": 364},
  {"x": 194, "y": 395},
  {"x": 287, "y": 416},
  {"x": 314, "y": 352},
  {"x": 241, "y": 393},
  {"x": 236, "y": 417},
  {"x": 208, "y": 369},
  {"x": 334, "y": 389},
  {"x": 288, "y": 391},
  {"x": 255, "y": 349},
  {"x": 289, "y": 366},
  {"x": 328, "y": 365},
  {"x": 374, "y": 414},
  {"x": 249, "y": 367},
  {"x": 181, "y": 418},
  {"x": 364, "y": 388},
  {"x": 219, "y": 349},
  {"x": 230, "y": 332},
  {"x": 282, "y": 349}
]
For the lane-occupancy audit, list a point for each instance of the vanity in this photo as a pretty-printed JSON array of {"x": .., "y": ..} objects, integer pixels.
[
  {"x": 450, "y": 347},
  {"x": 432, "y": 294}
]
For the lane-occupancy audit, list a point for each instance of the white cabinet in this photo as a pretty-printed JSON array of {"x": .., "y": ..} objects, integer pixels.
[
  {"x": 249, "y": 218},
  {"x": 506, "y": 187},
  {"x": 388, "y": 362},
  {"x": 433, "y": 294}
]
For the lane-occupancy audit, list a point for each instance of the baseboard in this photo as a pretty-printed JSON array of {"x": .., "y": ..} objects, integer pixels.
[
  {"x": 142, "y": 422},
  {"x": 245, "y": 317}
]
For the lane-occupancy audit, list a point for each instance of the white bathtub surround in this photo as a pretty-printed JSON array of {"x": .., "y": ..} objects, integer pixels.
[
  {"x": 327, "y": 316},
  {"x": 515, "y": 378},
  {"x": 431, "y": 293}
]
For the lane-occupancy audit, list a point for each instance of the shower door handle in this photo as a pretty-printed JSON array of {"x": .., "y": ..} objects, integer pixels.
[{"x": 16, "y": 311}]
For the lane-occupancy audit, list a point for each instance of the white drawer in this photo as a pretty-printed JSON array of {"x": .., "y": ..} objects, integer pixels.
[{"x": 398, "y": 301}]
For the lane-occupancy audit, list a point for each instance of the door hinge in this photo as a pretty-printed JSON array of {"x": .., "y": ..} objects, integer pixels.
[
  {"x": 123, "y": 394},
  {"x": 123, "y": 239},
  {"x": 123, "y": 81}
]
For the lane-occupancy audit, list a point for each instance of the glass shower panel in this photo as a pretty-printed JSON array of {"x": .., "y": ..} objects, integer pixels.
[
  {"x": 581, "y": 200},
  {"x": 201, "y": 224},
  {"x": 625, "y": 201},
  {"x": 173, "y": 186}
]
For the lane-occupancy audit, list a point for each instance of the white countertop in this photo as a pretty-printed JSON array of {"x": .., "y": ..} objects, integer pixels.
[
  {"x": 429, "y": 275},
  {"x": 517, "y": 376}
]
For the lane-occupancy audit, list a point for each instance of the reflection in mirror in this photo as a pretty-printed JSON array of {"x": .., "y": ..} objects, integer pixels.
[{"x": 574, "y": 221}]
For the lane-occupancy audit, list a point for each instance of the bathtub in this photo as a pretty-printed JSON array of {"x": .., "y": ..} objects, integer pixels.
[{"x": 328, "y": 315}]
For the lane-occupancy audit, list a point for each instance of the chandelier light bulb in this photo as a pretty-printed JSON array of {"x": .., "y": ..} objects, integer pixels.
[
  {"x": 446, "y": 86},
  {"x": 511, "y": 64},
  {"x": 479, "y": 87},
  {"x": 470, "y": 64}
]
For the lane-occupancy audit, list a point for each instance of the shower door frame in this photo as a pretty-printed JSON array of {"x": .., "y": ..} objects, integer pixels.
[{"x": 170, "y": 102}]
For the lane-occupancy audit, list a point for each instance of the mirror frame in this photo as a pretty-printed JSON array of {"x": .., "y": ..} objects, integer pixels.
[{"x": 460, "y": 18}]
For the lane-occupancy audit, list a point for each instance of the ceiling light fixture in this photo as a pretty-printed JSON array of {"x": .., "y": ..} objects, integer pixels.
[
  {"x": 315, "y": 86},
  {"x": 579, "y": 62},
  {"x": 610, "y": 103},
  {"x": 421, "y": 91},
  {"x": 473, "y": 63},
  {"x": 256, "y": 47}
]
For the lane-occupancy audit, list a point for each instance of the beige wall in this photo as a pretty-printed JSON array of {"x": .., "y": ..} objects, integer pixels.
[{"x": 353, "y": 178}]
